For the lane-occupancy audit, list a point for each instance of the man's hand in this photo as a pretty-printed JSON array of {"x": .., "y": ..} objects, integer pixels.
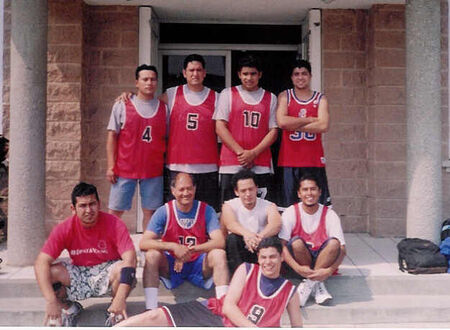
[
  {"x": 110, "y": 176},
  {"x": 53, "y": 312},
  {"x": 182, "y": 252},
  {"x": 251, "y": 241},
  {"x": 178, "y": 266},
  {"x": 119, "y": 309},
  {"x": 320, "y": 274},
  {"x": 246, "y": 158},
  {"x": 124, "y": 97},
  {"x": 304, "y": 271}
]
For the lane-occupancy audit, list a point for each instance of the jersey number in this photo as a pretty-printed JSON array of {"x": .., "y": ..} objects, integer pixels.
[
  {"x": 147, "y": 135},
  {"x": 251, "y": 118},
  {"x": 188, "y": 240},
  {"x": 297, "y": 136},
  {"x": 192, "y": 121},
  {"x": 256, "y": 313}
]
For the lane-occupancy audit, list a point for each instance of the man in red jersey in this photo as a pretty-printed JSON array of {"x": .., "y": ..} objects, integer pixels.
[
  {"x": 257, "y": 297},
  {"x": 135, "y": 147},
  {"x": 314, "y": 244},
  {"x": 103, "y": 260},
  {"x": 303, "y": 116},
  {"x": 245, "y": 122},
  {"x": 183, "y": 241},
  {"x": 192, "y": 143}
]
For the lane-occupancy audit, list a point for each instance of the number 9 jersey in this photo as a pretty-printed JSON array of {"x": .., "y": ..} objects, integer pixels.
[{"x": 301, "y": 149}]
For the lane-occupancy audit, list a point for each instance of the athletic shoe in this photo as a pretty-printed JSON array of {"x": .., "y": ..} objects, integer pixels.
[
  {"x": 208, "y": 283},
  {"x": 322, "y": 296},
  {"x": 112, "y": 319},
  {"x": 70, "y": 320},
  {"x": 305, "y": 288}
]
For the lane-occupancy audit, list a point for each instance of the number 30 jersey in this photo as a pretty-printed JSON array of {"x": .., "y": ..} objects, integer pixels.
[
  {"x": 192, "y": 131},
  {"x": 141, "y": 144},
  {"x": 187, "y": 231},
  {"x": 301, "y": 149}
]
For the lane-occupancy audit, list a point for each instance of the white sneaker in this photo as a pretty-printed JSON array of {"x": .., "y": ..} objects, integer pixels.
[
  {"x": 70, "y": 320},
  {"x": 322, "y": 296},
  {"x": 305, "y": 288}
]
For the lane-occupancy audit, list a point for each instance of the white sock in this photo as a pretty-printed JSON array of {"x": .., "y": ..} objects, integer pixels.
[
  {"x": 221, "y": 290},
  {"x": 151, "y": 298}
]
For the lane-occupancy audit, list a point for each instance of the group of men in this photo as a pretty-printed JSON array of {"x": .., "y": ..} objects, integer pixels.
[{"x": 184, "y": 238}]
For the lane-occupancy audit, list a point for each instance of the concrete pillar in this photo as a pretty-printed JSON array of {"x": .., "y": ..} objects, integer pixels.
[
  {"x": 26, "y": 211},
  {"x": 423, "y": 106}
]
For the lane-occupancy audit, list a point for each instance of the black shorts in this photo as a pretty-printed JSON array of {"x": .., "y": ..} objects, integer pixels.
[{"x": 191, "y": 314}]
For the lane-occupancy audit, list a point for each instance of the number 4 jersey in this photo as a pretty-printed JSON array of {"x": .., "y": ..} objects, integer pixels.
[
  {"x": 141, "y": 144},
  {"x": 301, "y": 149}
]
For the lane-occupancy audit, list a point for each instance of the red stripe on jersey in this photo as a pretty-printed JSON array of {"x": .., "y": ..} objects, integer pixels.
[{"x": 315, "y": 239}]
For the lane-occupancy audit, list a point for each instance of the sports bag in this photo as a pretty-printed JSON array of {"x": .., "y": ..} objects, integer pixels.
[
  {"x": 420, "y": 256},
  {"x": 445, "y": 231}
]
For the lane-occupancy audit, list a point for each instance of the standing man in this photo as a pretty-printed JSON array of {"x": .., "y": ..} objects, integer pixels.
[
  {"x": 247, "y": 219},
  {"x": 246, "y": 124},
  {"x": 257, "y": 297},
  {"x": 314, "y": 244},
  {"x": 103, "y": 259},
  {"x": 191, "y": 245},
  {"x": 135, "y": 147},
  {"x": 192, "y": 146},
  {"x": 303, "y": 116}
]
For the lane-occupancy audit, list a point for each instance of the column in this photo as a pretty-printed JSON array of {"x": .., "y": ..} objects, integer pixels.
[
  {"x": 423, "y": 104},
  {"x": 26, "y": 211}
]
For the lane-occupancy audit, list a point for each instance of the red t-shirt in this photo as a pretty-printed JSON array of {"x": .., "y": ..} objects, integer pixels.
[{"x": 105, "y": 241}]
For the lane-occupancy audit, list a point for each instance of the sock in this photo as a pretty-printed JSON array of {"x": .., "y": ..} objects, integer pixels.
[
  {"x": 151, "y": 298},
  {"x": 72, "y": 309},
  {"x": 221, "y": 290}
]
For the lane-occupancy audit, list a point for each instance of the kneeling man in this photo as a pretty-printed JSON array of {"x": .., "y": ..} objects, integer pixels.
[
  {"x": 314, "y": 241},
  {"x": 257, "y": 297},
  {"x": 191, "y": 246},
  {"x": 103, "y": 260}
]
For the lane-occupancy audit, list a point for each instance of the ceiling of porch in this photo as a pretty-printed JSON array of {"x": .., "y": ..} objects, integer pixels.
[{"x": 240, "y": 11}]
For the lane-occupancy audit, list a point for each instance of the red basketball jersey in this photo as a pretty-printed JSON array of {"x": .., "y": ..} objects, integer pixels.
[
  {"x": 185, "y": 231},
  {"x": 315, "y": 239},
  {"x": 301, "y": 149},
  {"x": 248, "y": 125},
  {"x": 192, "y": 134},
  {"x": 141, "y": 144},
  {"x": 264, "y": 311}
]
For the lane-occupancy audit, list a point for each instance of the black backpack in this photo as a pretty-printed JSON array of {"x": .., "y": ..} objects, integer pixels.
[
  {"x": 445, "y": 231},
  {"x": 420, "y": 256}
]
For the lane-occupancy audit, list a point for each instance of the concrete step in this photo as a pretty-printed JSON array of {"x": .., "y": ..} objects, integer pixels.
[{"x": 381, "y": 310}]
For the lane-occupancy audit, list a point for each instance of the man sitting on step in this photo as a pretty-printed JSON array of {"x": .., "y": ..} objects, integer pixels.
[
  {"x": 191, "y": 246},
  {"x": 314, "y": 245},
  {"x": 103, "y": 260},
  {"x": 257, "y": 297}
]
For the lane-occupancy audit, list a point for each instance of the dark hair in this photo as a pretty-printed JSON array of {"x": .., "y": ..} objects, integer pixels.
[
  {"x": 301, "y": 64},
  {"x": 83, "y": 189},
  {"x": 242, "y": 175},
  {"x": 192, "y": 58},
  {"x": 310, "y": 177},
  {"x": 174, "y": 176},
  {"x": 271, "y": 241},
  {"x": 146, "y": 67},
  {"x": 249, "y": 61}
]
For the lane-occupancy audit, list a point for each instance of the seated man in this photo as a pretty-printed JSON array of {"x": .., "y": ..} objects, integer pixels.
[
  {"x": 257, "y": 297},
  {"x": 247, "y": 219},
  {"x": 314, "y": 245},
  {"x": 103, "y": 260},
  {"x": 191, "y": 245}
]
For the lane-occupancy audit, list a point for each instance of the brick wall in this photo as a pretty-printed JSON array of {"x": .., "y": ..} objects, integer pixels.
[
  {"x": 64, "y": 99},
  {"x": 109, "y": 62},
  {"x": 387, "y": 120},
  {"x": 6, "y": 64},
  {"x": 344, "y": 75}
]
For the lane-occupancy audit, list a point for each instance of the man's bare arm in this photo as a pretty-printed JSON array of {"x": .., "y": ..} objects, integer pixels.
[
  {"x": 225, "y": 135},
  {"x": 230, "y": 305},
  {"x": 216, "y": 241},
  {"x": 305, "y": 271},
  {"x": 150, "y": 240},
  {"x": 324, "y": 273},
  {"x": 111, "y": 153},
  {"x": 273, "y": 222},
  {"x": 323, "y": 116},
  {"x": 164, "y": 98},
  {"x": 287, "y": 122},
  {"x": 293, "y": 309}
]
